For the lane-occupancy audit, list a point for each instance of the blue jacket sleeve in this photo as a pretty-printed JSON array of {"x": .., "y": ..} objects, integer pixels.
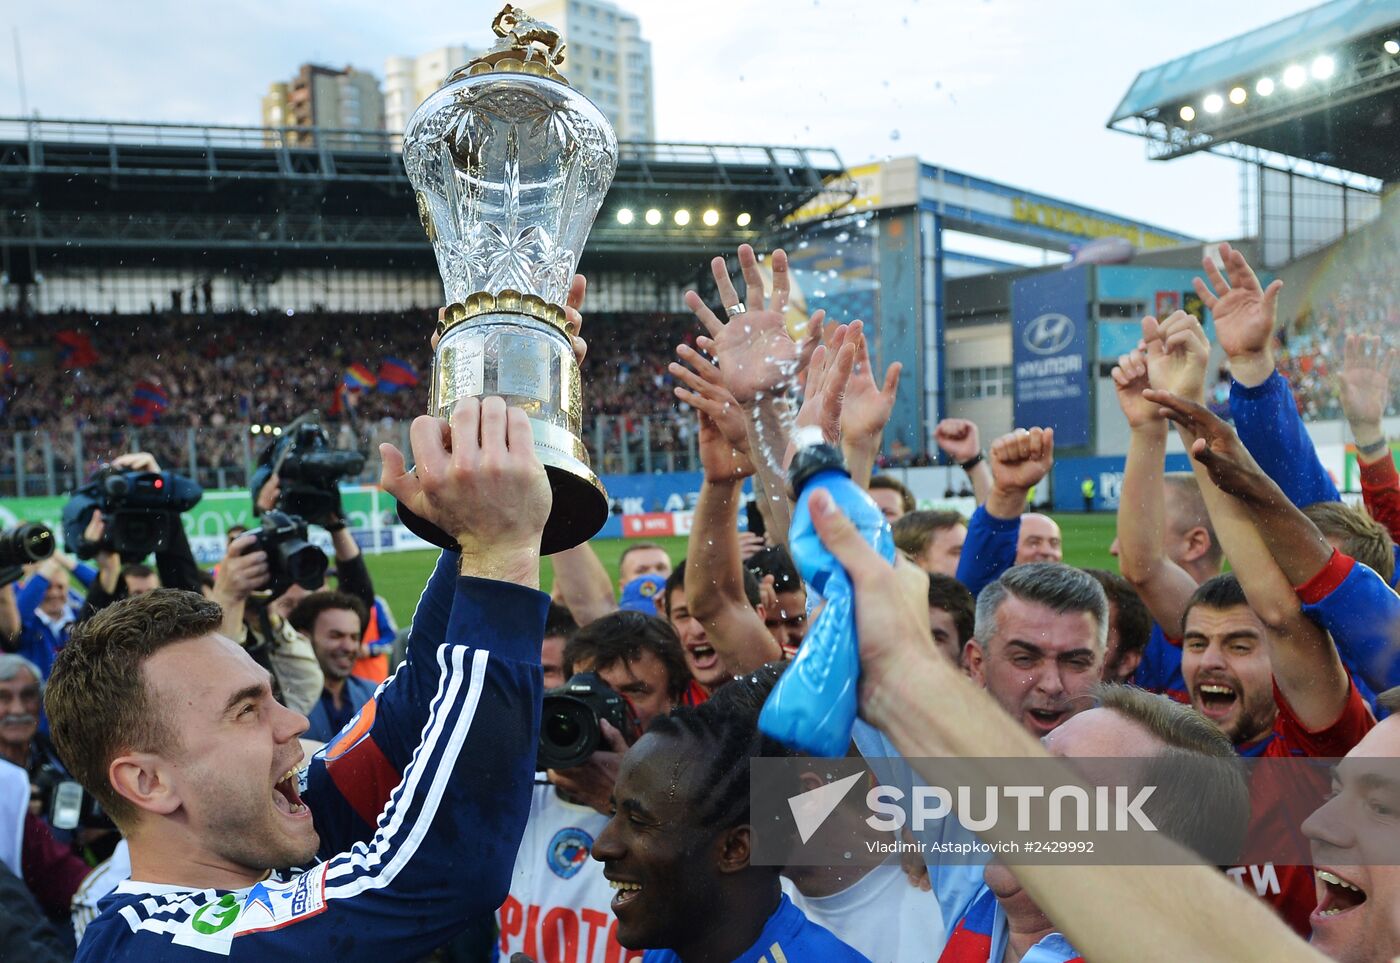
[
  {"x": 1268, "y": 423},
  {"x": 1361, "y": 612},
  {"x": 445, "y": 845},
  {"x": 989, "y": 550},
  {"x": 349, "y": 781},
  {"x": 29, "y": 595},
  {"x": 85, "y": 574}
]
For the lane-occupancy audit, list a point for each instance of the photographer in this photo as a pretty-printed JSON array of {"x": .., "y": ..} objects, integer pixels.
[
  {"x": 260, "y": 627},
  {"x": 118, "y": 574},
  {"x": 556, "y": 882},
  {"x": 352, "y": 575}
]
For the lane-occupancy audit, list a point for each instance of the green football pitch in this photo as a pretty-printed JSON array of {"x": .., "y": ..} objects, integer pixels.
[{"x": 399, "y": 577}]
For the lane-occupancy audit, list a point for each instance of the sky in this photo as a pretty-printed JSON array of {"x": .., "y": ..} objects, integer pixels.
[{"x": 1013, "y": 90}]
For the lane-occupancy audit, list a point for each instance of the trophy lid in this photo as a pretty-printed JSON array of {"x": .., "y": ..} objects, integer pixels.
[{"x": 526, "y": 46}]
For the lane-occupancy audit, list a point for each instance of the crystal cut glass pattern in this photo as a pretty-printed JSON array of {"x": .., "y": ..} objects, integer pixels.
[{"x": 513, "y": 169}]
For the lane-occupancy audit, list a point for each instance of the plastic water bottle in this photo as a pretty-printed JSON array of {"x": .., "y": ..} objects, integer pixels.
[{"x": 813, "y": 706}]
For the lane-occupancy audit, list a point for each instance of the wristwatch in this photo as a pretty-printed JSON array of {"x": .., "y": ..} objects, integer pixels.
[
  {"x": 974, "y": 461},
  {"x": 1375, "y": 448}
]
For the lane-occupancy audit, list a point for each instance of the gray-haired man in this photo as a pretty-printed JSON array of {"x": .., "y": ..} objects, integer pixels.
[
  {"x": 1039, "y": 642},
  {"x": 21, "y": 695}
]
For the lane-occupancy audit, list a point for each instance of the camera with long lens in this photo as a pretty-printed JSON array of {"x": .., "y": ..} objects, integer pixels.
[
  {"x": 20, "y": 545},
  {"x": 570, "y": 723},
  {"x": 65, "y": 803},
  {"x": 291, "y": 559},
  {"x": 138, "y": 509},
  {"x": 309, "y": 469}
]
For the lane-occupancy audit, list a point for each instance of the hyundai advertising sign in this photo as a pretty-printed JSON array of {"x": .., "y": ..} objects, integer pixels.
[{"x": 1050, "y": 354}]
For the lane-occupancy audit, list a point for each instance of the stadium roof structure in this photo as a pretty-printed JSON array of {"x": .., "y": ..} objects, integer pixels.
[
  {"x": 77, "y": 191},
  {"x": 1322, "y": 86}
]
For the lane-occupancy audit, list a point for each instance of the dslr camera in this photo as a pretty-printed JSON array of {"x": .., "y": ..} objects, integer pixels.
[
  {"x": 569, "y": 722},
  {"x": 21, "y": 545},
  {"x": 309, "y": 469},
  {"x": 65, "y": 803},
  {"x": 138, "y": 507},
  {"x": 291, "y": 559}
]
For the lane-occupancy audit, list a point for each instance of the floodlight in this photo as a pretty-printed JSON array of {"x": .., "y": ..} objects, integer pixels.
[
  {"x": 653, "y": 217},
  {"x": 624, "y": 215},
  {"x": 1238, "y": 95},
  {"x": 1188, "y": 113},
  {"x": 1213, "y": 103},
  {"x": 743, "y": 219},
  {"x": 1265, "y": 87},
  {"x": 1294, "y": 77},
  {"x": 711, "y": 217},
  {"x": 1392, "y": 47},
  {"x": 682, "y": 217},
  {"x": 1324, "y": 67}
]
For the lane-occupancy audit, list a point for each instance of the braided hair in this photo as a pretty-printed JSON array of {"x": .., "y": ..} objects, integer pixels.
[{"x": 725, "y": 734}]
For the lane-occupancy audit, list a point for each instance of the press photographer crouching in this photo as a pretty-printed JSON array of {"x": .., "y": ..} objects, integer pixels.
[
  {"x": 272, "y": 568},
  {"x": 127, "y": 512}
]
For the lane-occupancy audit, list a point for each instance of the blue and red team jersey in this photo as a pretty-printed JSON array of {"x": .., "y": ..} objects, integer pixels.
[
  {"x": 450, "y": 742},
  {"x": 983, "y": 926},
  {"x": 1160, "y": 668},
  {"x": 1280, "y": 799},
  {"x": 694, "y": 695},
  {"x": 787, "y": 937}
]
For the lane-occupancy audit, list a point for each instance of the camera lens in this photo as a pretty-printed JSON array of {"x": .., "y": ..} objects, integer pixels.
[
  {"x": 25, "y": 543},
  {"x": 562, "y": 729},
  {"x": 568, "y": 733}
]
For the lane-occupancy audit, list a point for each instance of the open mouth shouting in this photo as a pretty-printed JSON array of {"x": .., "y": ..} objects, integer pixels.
[
  {"x": 1042, "y": 720},
  {"x": 1336, "y": 897},
  {"x": 702, "y": 656},
  {"x": 1217, "y": 699},
  {"x": 286, "y": 796}
]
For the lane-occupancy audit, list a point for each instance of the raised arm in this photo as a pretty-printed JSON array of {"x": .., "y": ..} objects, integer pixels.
[
  {"x": 760, "y": 364},
  {"x": 1163, "y": 585},
  {"x": 1020, "y": 461},
  {"x": 1305, "y": 664},
  {"x": 1364, "y": 390},
  {"x": 961, "y": 442},
  {"x": 1261, "y": 403},
  {"x": 865, "y": 408},
  {"x": 714, "y": 575},
  {"x": 580, "y": 577},
  {"x": 485, "y": 593}
]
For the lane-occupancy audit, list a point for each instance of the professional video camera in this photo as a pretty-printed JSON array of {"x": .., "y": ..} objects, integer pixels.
[
  {"x": 65, "y": 803},
  {"x": 21, "y": 545},
  {"x": 309, "y": 470},
  {"x": 138, "y": 509},
  {"x": 569, "y": 722},
  {"x": 291, "y": 559}
]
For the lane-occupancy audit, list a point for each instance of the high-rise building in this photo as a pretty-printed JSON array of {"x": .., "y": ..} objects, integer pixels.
[
  {"x": 409, "y": 80},
  {"x": 605, "y": 59},
  {"x": 342, "y": 100}
]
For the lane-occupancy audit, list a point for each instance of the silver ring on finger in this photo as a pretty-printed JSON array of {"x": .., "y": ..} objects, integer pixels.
[{"x": 734, "y": 310}]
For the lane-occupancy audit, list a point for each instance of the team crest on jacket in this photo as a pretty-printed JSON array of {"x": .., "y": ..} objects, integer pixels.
[{"x": 568, "y": 851}]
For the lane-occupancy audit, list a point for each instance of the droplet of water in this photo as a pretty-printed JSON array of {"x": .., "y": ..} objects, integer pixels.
[{"x": 894, "y": 134}]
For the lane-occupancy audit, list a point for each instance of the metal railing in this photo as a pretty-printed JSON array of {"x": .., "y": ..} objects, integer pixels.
[{"x": 53, "y": 462}]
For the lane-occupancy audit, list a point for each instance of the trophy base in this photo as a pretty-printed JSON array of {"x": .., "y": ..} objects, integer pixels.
[{"x": 579, "y": 510}]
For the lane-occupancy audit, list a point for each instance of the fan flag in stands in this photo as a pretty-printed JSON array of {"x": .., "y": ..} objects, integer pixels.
[
  {"x": 396, "y": 374},
  {"x": 358, "y": 377},
  {"x": 148, "y": 400},
  {"x": 75, "y": 349}
]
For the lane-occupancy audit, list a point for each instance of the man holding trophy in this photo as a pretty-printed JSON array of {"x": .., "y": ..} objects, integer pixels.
[{"x": 413, "y": 814}]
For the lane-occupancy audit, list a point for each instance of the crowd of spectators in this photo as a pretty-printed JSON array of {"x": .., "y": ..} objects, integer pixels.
[
  {"x": 219, "y": 378},
  {"x": 1358, "y": 293}
]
